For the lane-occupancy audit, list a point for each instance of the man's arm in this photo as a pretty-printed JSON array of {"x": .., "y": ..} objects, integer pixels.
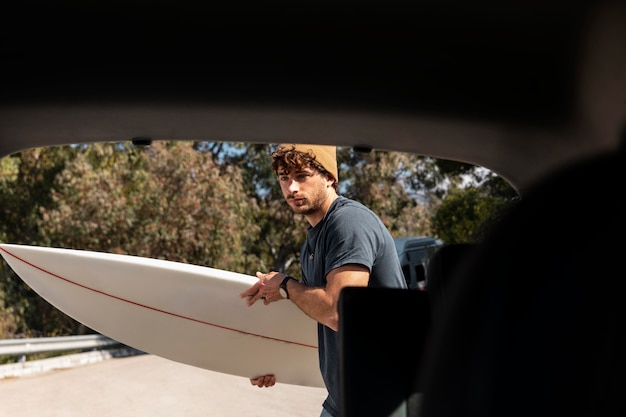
[{"x": 319, "y": 303}]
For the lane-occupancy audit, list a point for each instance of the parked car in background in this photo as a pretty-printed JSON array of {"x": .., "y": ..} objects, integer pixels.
[{"x": 414, "y": 253}]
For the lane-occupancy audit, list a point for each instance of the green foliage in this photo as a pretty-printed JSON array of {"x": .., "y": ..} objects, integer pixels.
[
  {"x": 467, "y": 214},
  {"x": 166, "y": 201},
  {"x": 24, "y": 189},
  {"x": 385, "y": 182}
]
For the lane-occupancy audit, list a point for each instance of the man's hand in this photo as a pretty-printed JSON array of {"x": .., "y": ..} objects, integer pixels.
[
  {"x": 266, "y": 289},
  {"x": 264, "y": 381}
]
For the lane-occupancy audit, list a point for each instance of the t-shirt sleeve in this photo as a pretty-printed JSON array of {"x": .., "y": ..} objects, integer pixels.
[{"x": 353, "y": 238}]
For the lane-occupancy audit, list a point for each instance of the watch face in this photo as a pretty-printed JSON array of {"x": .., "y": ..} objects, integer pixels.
[{"x": 283, "y": 292}]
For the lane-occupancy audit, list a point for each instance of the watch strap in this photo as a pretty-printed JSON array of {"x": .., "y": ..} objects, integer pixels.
[{"x": 283, "y": 285}]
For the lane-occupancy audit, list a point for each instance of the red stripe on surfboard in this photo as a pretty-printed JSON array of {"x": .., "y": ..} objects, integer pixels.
[{"x": 149, "y": 307}]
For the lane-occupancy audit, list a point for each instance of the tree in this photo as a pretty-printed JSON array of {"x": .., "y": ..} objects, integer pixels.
[
  {"x": 165, "y": 201},
  {"x": 467, "y": 214},
  {"x": 25, "y": 184},
  {"x": 386, "y": 183}
]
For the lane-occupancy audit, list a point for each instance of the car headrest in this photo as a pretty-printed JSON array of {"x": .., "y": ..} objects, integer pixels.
[{"x": 444, "y": 264}]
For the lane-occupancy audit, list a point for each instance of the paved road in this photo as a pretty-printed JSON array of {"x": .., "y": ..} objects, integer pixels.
[{"x": 148, "y": 385}]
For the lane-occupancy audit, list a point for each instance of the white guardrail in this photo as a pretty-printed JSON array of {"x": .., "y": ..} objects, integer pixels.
[
  {"x": 99, "y": 348},
  {"x": 54, "y": 344}
]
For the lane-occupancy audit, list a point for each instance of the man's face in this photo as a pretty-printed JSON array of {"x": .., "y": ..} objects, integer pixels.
[{"x": 304, "y": 189}]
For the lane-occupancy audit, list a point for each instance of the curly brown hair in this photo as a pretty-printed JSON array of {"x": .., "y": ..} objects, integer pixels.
[{"x": 289, "y": 159}]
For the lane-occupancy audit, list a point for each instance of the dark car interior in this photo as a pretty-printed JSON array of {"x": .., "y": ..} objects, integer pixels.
[{"x": 530, "y": 322}]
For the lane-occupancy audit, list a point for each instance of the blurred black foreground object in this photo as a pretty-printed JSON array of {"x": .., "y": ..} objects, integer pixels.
[
  {"x": 534, "y": 324},
  {"x": 382, "y": 336}
]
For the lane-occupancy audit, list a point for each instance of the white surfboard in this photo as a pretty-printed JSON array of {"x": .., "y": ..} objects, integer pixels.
[{"x": 187, "y": 313}]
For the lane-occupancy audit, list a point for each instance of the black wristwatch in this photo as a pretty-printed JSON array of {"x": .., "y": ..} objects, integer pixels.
[{"x": 283, "y": 287}]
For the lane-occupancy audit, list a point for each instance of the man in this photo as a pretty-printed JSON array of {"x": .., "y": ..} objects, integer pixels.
[{"x": 347, "y": 245}]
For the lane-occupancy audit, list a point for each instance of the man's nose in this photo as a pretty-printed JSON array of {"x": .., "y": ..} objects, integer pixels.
[{"x": 293, "y": 185}]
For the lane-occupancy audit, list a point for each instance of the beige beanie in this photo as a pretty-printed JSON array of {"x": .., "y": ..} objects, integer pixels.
[{"x": 325, "y": 155}]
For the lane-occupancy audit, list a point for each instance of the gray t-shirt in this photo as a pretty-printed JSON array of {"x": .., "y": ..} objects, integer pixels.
[{"x": 350, "y": 233}]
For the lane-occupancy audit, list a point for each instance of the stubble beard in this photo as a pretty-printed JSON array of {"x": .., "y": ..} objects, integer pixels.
[
  {"x": 307, "y": 209},
  {"x": 314, "y": 204}
]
